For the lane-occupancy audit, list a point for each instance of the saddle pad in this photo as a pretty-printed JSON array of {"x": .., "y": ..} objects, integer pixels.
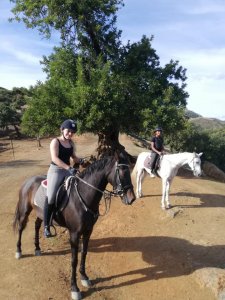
[
  {"x": 39, "y": 198},
  {"x": 147, "y": 162}
]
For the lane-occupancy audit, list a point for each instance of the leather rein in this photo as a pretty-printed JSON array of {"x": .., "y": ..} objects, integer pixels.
[{"x": 119, "y": 191}]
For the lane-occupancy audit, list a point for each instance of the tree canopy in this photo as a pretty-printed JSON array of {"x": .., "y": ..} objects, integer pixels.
[{"x": 92, "y": 77}]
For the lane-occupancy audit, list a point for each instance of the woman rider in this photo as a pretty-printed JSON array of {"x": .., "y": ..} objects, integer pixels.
[
  {"x": 62, "y": 150},
  {"x": 157, "y": 149}
]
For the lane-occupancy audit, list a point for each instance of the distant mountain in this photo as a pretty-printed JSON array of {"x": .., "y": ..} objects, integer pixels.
[
  {"x": 208, "y": 123},
  {"x": 191, "y": 114},
  {"x": 204, "y": 123}
]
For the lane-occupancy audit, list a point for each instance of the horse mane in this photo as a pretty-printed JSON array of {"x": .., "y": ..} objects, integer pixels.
[{"x": 96, "y": 166}]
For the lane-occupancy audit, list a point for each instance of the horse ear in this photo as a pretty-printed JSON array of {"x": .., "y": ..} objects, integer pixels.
[{"x": 200, "y": 154}]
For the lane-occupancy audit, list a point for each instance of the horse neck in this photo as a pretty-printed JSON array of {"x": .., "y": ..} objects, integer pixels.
[
  {"x": 98, "y": 179},
  {"x": 180, "y": 159}
]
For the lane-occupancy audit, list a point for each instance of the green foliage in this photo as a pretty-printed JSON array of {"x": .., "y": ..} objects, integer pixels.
[
  {"x": 87, "y": 24},
  {"x": 93, "y": 78},
  {"x": 97, "y": 101},
  {"x": 210, "y": 142},
  {"x": 11, "y": 105},
  {"x": 46, "y": 109},
  {"x": 8, "y": 115}
]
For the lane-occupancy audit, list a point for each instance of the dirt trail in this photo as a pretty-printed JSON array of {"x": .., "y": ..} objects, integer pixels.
[{"x": 136, "y": 253}]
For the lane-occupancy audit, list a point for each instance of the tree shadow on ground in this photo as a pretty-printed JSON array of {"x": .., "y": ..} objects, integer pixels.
[
  {"x": 166, "y": 256},
  {"x": 207, "y": 200},
  {"x": 19, "y": 163}
]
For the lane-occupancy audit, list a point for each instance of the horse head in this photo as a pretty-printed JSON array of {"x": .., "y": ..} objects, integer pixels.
[
  {"x": 122, "y": 184},
  {"x": 195, "y": 164}
]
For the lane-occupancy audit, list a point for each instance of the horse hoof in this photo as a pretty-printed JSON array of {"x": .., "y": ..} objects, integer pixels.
[
  {"x": 163, "y": 207},
  {"x": 18, "y": 255},
  {"x": 86, "y": 283},
  {"x": 37, "y": 252},
  {"x": 76, "y": 295}
]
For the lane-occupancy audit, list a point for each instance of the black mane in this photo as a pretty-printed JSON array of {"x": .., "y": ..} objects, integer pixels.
[{"x": 96, "y": 166}]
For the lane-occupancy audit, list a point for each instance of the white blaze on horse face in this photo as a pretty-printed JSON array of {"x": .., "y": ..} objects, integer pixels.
[{"x": 195, "y": 165}]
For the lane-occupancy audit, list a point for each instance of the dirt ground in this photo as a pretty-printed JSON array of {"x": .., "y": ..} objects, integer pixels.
[{"x": 136, "y": 253}]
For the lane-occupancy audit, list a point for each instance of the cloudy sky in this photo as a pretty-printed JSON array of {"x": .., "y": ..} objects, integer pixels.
[{"x": 190, "y": 31}]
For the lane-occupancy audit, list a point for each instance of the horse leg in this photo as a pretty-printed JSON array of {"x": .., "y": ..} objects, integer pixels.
[
  {"x": 74, "y": 242},
  {"x": 167, "y": 190},
  {"x": 22, "y": 222},
  {"x": 38, "y": 223},
  {"x": 140, "y": 175},
  {"x": 164, "y": 182},
  {"x": 84, "y": 278},
  {"x": 18, "y": 254}
]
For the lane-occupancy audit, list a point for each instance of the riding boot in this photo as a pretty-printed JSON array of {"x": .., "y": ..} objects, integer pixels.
[
  {"x": 152, "y": 173},
  {"x": 48, "y": 209}
]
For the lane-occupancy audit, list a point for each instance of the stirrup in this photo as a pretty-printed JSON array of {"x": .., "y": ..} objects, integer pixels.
[{"x": 47, "y": 232}]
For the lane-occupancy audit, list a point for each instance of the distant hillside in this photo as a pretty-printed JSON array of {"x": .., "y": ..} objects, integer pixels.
[
  {"x": 208, "y": 123},
  {"x": 191, "y": 114}
]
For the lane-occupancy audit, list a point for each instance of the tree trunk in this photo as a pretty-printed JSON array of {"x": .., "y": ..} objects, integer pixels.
[
  {"x": 108, "y": 143},
  {"x": 38, "y": 142},
  {"x": 17, "y": 131}
]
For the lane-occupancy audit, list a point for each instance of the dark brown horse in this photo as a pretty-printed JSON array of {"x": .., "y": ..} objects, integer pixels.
[{"x": 82, "y": 210}]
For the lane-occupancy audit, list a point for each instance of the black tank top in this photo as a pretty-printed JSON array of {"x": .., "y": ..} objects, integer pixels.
[{"x": 65, "y": 153}]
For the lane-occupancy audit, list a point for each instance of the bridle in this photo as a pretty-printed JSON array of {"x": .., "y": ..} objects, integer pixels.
[
  {"x": 119, "y": 191},
  {"x": 193, "y": 168}
]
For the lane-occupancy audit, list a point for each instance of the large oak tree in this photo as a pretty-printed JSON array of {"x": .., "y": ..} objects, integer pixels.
[{"x": 107, "y": 86}]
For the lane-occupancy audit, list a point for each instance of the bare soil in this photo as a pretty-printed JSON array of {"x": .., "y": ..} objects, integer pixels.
[{"x": 136, "y": 253}]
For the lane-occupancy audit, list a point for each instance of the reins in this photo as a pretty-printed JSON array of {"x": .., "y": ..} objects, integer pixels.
[
  {"x": 107, "y": 197},
  {"x": 106, "y": 193}
]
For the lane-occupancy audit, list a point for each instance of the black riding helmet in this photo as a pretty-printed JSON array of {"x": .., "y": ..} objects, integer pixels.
[
  {"x": 158, "y": 129},
  {"x": 70, "y": 125}
]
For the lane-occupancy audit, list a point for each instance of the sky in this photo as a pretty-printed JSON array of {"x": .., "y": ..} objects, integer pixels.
[{"x": 190, "y": 31}]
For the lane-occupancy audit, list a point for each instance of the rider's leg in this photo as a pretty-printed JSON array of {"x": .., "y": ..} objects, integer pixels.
[
  {"x": 54, "y": 178},
  {"x": 48, "y": 210},
  {"x": 154, "y": 156}
]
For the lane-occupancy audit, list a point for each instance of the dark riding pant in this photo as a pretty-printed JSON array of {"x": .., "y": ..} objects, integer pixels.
[{"x": 154, "y": 157}]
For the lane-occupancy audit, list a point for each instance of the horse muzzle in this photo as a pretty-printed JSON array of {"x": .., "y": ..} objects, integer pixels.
[
  {"x": 128, "y": 197},
  {"x": 197, "y": 174}
]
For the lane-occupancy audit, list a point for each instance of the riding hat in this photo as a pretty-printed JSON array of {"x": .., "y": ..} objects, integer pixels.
[
  {"x": 158, "y": 129},
  {"x": 69, "y": 124}
]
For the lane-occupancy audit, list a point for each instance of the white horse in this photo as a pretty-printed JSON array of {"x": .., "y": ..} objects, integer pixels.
[{"x": 169, "y": 165}]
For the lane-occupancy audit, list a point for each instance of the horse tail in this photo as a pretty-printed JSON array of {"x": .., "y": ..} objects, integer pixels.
[
  {"x": 16, "y": 217},
  {"x": 23, "y": 207}
]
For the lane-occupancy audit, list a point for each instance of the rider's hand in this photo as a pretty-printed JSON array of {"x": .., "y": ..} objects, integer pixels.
[
  {"x": 81, "y": 161},
  {"x": 72, "y": 171}
]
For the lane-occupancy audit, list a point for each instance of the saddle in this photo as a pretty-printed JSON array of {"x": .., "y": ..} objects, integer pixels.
[
  {"x": 62, "y": 196},
  {"x": 147, "y": 163}
]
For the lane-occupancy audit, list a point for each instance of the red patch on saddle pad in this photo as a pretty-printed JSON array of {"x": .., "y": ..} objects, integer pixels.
[{"x": 44, "y": 183}]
